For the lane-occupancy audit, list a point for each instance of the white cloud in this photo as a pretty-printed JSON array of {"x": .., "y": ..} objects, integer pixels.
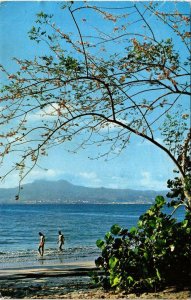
[
  {"x": 13, "y": 179},
  {"x": 49, "y": 112},
  {"x": 118, "y": 182},
  {"x": 112, "y": 126},
  {"x": 149, "y": 182},
  {"x": 45, "y": 174},
  {"x": 46, "y": 113},
  {"x": 114, "y": 186},
  {"x": 90, "y": 175},
  {"x": 89, "y": 178},
  {"x": 143, "y": 181}
]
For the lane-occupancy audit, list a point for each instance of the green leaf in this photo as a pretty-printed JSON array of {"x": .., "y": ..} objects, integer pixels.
[
  {"x": 116, "y": 281},
  {"x": 133, "y": 230},
  {"x": 140, "y": 224},
  {"x": 108, "y": 237},
  {"x": 158, "y": 274},
  {"x": 100, "y": 243},
  {"x": 160, "y": 201},
  {"x": 115, "y": 229},
  {"x": 184, "y": 223},
  {"x": 130, "y": 279},
  {"x": 161, "y": 242},
  {"x": 117, "y": 243},
  {"x": 112, "y": 262},
  {"x": 145, "y": 255},
  {"x": 150, "y": 281},
  {"x": 172, "y": 247},
  {"x": 150, "y": 212}
]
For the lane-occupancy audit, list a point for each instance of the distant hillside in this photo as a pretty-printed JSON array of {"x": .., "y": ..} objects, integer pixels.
[{"x": 61, "y": 191}]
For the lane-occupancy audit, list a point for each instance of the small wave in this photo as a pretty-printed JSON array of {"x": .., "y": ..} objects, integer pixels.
[{"x": 30, "y": 257}]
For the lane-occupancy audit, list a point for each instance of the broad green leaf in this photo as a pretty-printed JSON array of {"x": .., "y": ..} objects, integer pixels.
[
  {"x": 100, "y": 243},
  {"x": 140, "y": 224},
  {"x": 160, "y": 201},
  {"x": 116, "y": 281},
  {"x": 115, "y": 229},
  {"x": 150, "y": 212},
  {"x": 133, "y": 230},
  {"x": 112, "y": 262}
]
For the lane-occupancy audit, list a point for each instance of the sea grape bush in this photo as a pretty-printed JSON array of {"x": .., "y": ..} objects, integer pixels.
[{"x": 149, "y": 256}]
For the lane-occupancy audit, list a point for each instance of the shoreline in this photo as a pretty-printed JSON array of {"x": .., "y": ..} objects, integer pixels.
[
  {"x": 70, "y": 280},
  {"x": 58, "y": 267},
  {"x": 30, "y": 259},
  {"x": 45, "y": 261}
]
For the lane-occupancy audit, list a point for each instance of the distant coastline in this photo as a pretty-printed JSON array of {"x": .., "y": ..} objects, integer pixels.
[
  {"x": 73, "y": 203},
  {"x": 62, "y": 191}
]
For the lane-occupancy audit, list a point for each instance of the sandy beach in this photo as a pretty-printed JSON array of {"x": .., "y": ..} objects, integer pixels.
[{"x": 67, "y": 281}]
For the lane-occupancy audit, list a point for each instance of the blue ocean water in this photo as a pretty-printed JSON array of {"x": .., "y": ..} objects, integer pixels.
[{"x": 81, "y": 224}]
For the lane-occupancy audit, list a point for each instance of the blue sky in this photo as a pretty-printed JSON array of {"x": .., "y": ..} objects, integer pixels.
[{"x": 140, "y": 165}]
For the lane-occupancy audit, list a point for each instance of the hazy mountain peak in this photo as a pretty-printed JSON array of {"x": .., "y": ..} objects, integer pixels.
[{"x": 62, "y": 191}]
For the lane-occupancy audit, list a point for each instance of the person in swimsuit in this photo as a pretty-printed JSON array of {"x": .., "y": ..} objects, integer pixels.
[
  {"x": 41, "y": 244},
  {"x": 60, "y": 240}
]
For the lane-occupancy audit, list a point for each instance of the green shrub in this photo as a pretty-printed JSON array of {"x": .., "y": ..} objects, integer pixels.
[{"x": 155, "y": 253}]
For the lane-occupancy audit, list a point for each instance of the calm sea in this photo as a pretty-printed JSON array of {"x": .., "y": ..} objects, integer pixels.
[{"x": 81, "y": 225}]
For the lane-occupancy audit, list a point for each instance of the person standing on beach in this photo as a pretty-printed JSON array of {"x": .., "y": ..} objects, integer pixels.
[
  {"x": 60, "y": 240},
  {"x": 41, "y": 244}
]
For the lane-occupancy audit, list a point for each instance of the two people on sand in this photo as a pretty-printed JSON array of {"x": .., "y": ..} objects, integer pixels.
[{"x": 42, "y": 242}]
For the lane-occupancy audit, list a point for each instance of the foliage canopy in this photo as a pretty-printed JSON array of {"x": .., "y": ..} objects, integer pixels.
[
  {"x": 103, "y": 83},
  {"x": 150, "y": 256}
]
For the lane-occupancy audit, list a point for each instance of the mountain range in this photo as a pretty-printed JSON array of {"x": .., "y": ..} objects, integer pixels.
[{"x": 42, "y": 191}]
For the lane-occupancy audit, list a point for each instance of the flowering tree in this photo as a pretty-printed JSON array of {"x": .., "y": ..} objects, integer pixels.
[{"x": 102, "y": 83}]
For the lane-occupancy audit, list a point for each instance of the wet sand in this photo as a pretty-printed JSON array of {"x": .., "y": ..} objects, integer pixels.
[
  {"x": 67, "y": 281},
  {"x": 48, "y": 269}
]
